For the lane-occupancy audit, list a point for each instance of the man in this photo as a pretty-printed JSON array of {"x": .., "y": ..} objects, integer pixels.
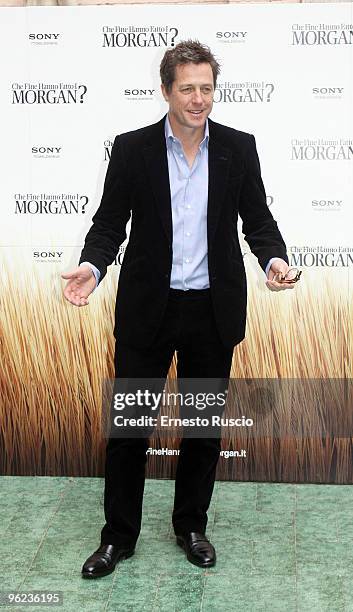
[{"x": 182, "y": 284}]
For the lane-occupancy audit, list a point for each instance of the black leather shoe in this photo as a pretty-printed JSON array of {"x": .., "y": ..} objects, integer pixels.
[
  {"x": 199, "y": 550},
  {"x": 104, "y": 560}
]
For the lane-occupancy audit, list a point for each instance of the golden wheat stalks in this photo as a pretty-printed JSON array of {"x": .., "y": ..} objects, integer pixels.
[{"x": 54, "y": 357}]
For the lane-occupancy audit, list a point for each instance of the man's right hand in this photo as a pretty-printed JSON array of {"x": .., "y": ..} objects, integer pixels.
[{"x": 81, "y": 283}]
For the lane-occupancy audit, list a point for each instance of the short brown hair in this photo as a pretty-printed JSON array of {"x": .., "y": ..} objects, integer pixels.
[{"x": 186, "y": 52}]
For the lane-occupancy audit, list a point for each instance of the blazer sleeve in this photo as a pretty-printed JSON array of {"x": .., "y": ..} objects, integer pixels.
[
  {"x": 108, "y": 231},
  {"x": 259, "y": 227}
]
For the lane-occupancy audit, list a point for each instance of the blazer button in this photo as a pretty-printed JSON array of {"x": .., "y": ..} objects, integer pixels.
[
  {"x": 214, "y": 278},
  {"x": 166, "y": 276}
]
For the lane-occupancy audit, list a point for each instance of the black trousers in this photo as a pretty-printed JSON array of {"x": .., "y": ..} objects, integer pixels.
[{"x": 189, "y": 328}]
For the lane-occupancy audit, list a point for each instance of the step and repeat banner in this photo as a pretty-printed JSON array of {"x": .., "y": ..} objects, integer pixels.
[{"x": 74, "y": 77}]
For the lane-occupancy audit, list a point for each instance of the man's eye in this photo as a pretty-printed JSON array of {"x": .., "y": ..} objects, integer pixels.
[{"x": 186, "y": 90}]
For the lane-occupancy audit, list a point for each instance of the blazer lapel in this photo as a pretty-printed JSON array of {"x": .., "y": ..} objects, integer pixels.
[
  {"x": 219, "y": 159},
  {"x": 155, "y": 154}
]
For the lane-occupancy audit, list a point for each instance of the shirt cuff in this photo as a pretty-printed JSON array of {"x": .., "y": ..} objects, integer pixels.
[
  {"x": 95, "y": 270},
  {"x": 270, "y": 264}
]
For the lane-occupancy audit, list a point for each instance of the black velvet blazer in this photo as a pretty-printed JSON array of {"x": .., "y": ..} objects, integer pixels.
[{"x": 137, "y": 184}]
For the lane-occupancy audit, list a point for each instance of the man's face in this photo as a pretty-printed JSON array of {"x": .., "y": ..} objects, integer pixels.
[{"x": 191, "y": 96}]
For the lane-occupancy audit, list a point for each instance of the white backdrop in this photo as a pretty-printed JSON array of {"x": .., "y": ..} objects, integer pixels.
[{"x": 74, "y": 77}]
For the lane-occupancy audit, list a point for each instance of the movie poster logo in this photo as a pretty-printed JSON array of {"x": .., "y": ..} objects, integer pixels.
[
  {"x": 231, "y": 36},
  {"x": 137, "y": 94},
  {"x": 107, "y": 149},
  {"x": 50, "y": 204},
  {"x": 48, "y": 93},
  {"x": 327, "y": 93},
  {"x": 320, "y": 257},
  {"x": 46, "y": 152},
  {"x": 44, "y": 38},
  {"x": 254, "y": 92},
  {"x": 321, "y": 34},
  {"x": 139, "y": 36},
  {"x": 120, "y": 256},
  {"x": 320, "y": 149}
]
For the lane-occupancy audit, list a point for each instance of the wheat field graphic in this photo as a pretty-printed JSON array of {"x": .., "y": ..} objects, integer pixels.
[{"x": 54, "y": 357}]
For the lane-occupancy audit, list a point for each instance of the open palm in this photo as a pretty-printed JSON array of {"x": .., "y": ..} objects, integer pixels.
[{"x": 81, "y": 283}]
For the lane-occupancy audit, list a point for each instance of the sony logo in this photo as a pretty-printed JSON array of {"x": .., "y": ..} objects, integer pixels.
[
  {"x": 46, "y": 150},
  {"x": 327, "y": 90},
  {"x": 139, "y": 92},
  {"x": 43, "y": 36},
  {"x": 231, "y": 34},
  {"x": 47, "y": 254}
]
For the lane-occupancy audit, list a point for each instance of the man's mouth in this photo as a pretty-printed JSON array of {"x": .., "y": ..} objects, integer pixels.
[{"x": 195, "y": 112}]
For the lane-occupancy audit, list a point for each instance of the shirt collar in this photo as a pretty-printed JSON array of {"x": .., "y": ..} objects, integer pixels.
[{"x": 169, "y": 136}]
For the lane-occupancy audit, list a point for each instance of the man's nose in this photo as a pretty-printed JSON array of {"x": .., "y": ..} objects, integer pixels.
[{"x": 197, "y": 97}]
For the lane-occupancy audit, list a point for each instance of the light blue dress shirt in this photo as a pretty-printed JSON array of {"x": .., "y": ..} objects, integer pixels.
[{"x": 189, "y": 197}]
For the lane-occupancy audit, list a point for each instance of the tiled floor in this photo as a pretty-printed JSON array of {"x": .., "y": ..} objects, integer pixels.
[{"x": 280, "y": 548}]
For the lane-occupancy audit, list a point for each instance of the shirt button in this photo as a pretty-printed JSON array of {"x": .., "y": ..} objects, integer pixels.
[
  {"x": 188, "y": 260},
  {"x": 188, "y": 233},
  {"x": 188, "y": 206}
]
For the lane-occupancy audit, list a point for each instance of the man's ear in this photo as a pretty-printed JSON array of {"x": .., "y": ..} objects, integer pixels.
[{"x": 164, "y": 92}]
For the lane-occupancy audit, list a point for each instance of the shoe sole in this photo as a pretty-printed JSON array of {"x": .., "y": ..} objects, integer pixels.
[
  {"x": 123, "y": 556},
  {"x": 192, "y": 560}
]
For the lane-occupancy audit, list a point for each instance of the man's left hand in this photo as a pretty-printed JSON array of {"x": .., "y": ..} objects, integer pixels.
[{"x": 279, "y": 266}]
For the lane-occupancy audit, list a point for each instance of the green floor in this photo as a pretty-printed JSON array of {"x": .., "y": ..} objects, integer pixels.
[{"x": 280, "y": 547}]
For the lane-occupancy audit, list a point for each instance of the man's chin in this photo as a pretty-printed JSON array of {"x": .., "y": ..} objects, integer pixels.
[{"x": 196, "y": 121}]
